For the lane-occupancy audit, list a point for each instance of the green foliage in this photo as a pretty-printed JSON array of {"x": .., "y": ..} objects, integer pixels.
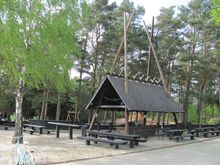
[
  {"x": 38, "y": 44},
  {"x": 210, "y": 115},
  {"x": 12, "y": 117},
  {"x": 216, "y": 11}
]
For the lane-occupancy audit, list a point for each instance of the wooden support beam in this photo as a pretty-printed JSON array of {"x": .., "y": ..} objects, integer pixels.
[
  {"x": 141, "y": 78},
  {"x": 146, "y": 79},
  {"x": 121, "y": 45},
  {"x": 125, "y": 55},
  {"x": 158, "y": 81},
  {"x": 156, "y": 59},
  {"x": 158, "y": 119},
  {"x": 145, "y": 118},
  {"x": 93, "y": 120},
  {"x": 175, "y": 119},
  {"x": 152, "y": 80},
  {"x": 164, "y": 115},
  {"x": 168, "y": 118},
  {"x": 150, "y": 50},
  {"x": 136, "y": 117},
  {"x": 135, "y": 76},
  {"x": 126, "y": 121},
  {"x": 121, "y": 72}
]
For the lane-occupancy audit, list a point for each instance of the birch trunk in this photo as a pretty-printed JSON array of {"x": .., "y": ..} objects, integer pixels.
[
  {"x": 18, "y": 123},
  {"x": 58, "y": 108}
]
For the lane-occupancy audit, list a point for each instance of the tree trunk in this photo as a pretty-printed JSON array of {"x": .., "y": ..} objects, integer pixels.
[
  {"x": 58, "y": 108},
  {"x": 42, "y": 107},
  {"x": 46, "y": 104},
  {"x": 219, "y": 91},
  {"x": 80, "y": 79},
  {"x": 18, "y": 123},
  {"x": 200, "y": 104}
]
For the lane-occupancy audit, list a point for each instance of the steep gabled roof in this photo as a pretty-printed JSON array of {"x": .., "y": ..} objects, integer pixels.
[{"x": 140, "y": 97}]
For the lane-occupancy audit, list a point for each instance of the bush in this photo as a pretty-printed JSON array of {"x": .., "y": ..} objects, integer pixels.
[{"x": 13, "y": 117}]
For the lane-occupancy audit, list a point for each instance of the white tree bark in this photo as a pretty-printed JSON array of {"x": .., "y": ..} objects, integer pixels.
[{"x": 18, "y": 123}]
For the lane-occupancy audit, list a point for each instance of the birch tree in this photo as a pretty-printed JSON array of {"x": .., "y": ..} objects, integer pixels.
[{"x": 37, "y": 45}]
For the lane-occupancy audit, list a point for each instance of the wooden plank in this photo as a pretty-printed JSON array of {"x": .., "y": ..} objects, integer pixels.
[{"x": 65, "y": 124}]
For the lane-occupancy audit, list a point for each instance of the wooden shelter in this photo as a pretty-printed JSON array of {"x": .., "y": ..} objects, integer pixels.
[{"x": 142, "y": 97}]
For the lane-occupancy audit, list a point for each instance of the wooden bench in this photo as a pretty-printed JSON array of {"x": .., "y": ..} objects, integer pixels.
[
  {"x": 132, "y": 138},
  {"x": 5, "y": 127},
  {"x": 205, "y": 134},
  {"x": 48, "y": 131},
  {"x": 70, "y": 126},
  {"x": 114, "y": 142},
  {"x": 177, "y": 138},
  {"x": 36, "y": 128},
  {"x": 31, "y": 131}
]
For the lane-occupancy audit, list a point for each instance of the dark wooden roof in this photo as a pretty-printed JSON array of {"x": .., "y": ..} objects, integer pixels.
[{"x": 140, "y": 97}]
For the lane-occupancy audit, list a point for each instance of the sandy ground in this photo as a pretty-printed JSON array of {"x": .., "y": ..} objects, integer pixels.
[{"x": 50, "y": 150}]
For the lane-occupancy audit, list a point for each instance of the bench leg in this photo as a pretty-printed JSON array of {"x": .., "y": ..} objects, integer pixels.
[
  {"x": 57, "y": 131},
  {"x": 40, "y": 130},
  {"x": 48, "y": 132},
  {"x": 70, "y": 132},
  {"x": 131, "y": 144},
  {"x": 205, "y": 135},
  {"x": 178, "y": 139},
  {"x": 217, "y": 133},
  {"x": 116, "y": 146},
  {"x": 191, "y": 137},
  {"x": 31, "y": 132},
  {"x": 87, "y": 142}
]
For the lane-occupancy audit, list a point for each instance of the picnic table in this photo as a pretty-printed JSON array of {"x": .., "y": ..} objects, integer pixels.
[
  {"x": 70, "y": 127},
  {"x": 33, "y": 128},
  {"x": 5, "y": 127},
  {"x": 174, "y": 132},
  {"x": 132, "y": 138},
  {"x": 207, "y": 130}
]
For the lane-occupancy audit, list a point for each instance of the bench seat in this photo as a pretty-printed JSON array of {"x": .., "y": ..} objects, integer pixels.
[
  {"x": 116, "y": 143},
  {"x": 205, "y": 134},
  {"x": 177, "y": 138},
  {"x": 31, "y": 131}
]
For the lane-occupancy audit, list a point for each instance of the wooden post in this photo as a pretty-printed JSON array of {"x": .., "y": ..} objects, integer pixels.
[
  {"x": 150, "y": 50},
  {"x": 121, "y": 44},
  {"x": 175, "y": 119},
  {"x": 152, "y": 119},
  {"x": 136, "y": 117},
  {"x": 126, "y": 76},
  {"x": 156, "y": 59},
  {"x": 125, "y": 55},
  {"x": 158, "y": 119},
  {"x": 145, "y": 118},
  {"x": 168, "y": 118},
  {"x": 164, "y": 114},
  {"x": 126, "y": 121},
  {"x": 93, "y": 120},
  {"x": 90, "y": 117}
]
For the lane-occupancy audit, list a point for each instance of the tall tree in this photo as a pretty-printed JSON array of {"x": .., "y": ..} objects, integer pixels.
[{"x": 37, "y": 45}]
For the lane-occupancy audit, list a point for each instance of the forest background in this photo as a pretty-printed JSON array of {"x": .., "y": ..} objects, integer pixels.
[{"x": 41, "y": 42}]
